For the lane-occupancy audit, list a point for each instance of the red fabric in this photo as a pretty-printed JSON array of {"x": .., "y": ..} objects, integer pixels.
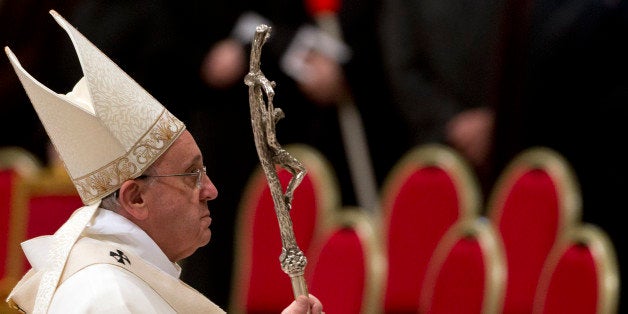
[
  {"x": 7, "y": 179},
  {"x": 425, "y": 207},
  {"x": 315, "y": 7},
  {"x": 459, "y": 287},
  {"x": 337, "y": 275},
  {"x": 270, "y": 290},
  {"x": 574, "y": 284},
  {"x": 47, "y": 213},
  {"x": 528, "y": 225}
]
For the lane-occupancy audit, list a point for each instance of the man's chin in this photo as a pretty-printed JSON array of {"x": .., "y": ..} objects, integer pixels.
[{"x": 206, "y": 238}]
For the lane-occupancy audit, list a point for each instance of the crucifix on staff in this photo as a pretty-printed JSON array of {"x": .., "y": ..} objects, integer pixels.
[{"x": 264, "y": 117}]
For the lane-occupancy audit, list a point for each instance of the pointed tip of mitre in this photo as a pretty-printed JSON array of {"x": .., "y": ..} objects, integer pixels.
[
  {"x": 9, "y": 53},
  {"x": 60, "y": 19}
]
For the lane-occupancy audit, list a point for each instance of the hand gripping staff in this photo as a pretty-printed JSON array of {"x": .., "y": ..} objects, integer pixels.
[{"x": 263, "y": 119}]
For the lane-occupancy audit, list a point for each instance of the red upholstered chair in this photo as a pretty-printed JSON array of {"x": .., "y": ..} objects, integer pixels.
[
  {"x": 347, "y": 265},
  {"x": 467, "y": 273},
  {"x": 535, "y": 199},
  {"x": 16, "y": 164},
  {"x": 428, "y": 190},
  {"x": 9, "y": 244},
  {"x": 50, "y": 198},
  {"x": 259, "y": 284},
  {"x": 581, "y": 275}
]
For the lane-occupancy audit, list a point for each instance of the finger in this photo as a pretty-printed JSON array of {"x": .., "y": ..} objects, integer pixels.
[
  {"x": 316, "y": 305},
  {"x": 302, "y": 304}
]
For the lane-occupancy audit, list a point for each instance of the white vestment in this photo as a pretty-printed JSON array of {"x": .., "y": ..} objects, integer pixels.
[{"x": 114, "y": 285}]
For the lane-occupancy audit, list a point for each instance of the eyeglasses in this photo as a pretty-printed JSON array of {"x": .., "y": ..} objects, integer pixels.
[{"x": 198, "y": 173}]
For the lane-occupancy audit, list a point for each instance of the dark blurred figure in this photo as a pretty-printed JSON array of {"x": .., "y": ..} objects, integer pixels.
[
  {"x": 565, "y": 87},
  {"x": 310, "y": 98},
  {"x": 442, "y": 61}
]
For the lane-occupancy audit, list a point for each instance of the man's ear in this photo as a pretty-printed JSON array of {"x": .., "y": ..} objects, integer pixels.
[{"x": 132, "y": 201}]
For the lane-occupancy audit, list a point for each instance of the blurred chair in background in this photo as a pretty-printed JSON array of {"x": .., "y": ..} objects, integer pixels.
[
  {"x": 259, "y": 285},
  {"x": 467, "y": 273},
  {"x": 19, "y": 159},
  {"x": 535, "y": 199},
  {"x": 347, "y": 266},
  {"x": 429, "y": 189},
  {"x": 581, "y": 275},
  {"x": 563, "y": 86},
  {"x": 16, "y": 165},
  {"x": 9, "y": 178},
  {"x": 49, "y": 199}
]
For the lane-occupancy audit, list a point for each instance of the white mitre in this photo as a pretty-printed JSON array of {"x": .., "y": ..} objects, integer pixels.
[{"x": 108, "y": 129}]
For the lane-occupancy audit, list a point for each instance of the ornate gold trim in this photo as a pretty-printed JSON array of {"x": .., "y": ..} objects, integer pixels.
[{"x": 102, "y": 182}]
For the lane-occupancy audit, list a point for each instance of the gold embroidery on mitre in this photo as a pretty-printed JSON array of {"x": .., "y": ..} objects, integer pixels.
[{"x": 107, "y": 179}]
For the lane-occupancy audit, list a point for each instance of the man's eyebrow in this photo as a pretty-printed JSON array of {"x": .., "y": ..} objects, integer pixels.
[{"x": 197, "y": 160}]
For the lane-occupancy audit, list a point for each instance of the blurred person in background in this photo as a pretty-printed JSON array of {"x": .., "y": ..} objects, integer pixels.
[
  {"x": 314, "y": 72},
  {"x": 442, "y": 62}
]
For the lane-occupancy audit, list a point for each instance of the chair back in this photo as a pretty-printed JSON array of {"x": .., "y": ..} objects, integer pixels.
[
  {"x": 581, "y": 275},
  {"x": 259, "y": 285},
  {"x": 19, "y": 159},
  {"x": 50, "y": 198},
  {"x": 467, "y": 273},
  {"x": 426, "y": 192},
  {"x": 16, "y": 165},
  {"x": 535, "y": 199},
  {"x": 347, "y": 265},
  {"x": 9, "y": 245}
]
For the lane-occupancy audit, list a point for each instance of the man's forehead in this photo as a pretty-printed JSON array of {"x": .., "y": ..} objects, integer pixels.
[{"x": 183, "y": 151}]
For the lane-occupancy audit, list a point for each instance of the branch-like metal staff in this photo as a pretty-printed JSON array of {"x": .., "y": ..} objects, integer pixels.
[{"x": 264, "y": 116}]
